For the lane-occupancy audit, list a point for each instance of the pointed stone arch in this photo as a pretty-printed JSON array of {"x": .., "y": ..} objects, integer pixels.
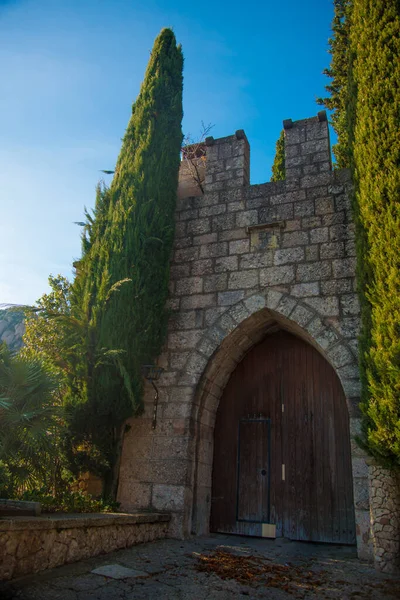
[{"x": 223, "y": 346}]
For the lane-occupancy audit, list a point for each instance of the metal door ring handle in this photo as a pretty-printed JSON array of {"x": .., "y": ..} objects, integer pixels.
[{"x": 263, "y": 472}]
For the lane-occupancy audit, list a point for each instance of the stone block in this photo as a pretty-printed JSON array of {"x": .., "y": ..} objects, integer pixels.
[
  {"x": 198, "y": 301},
  {"x": 179, "y": 271},
  {"x": 295, "y": 238},
  {"x": 229, "y": 298},
  {"x": 246, "y": 218},
  {"x": 177, "y": 360},
  {"x": 286, "y": 305},
  {"x": 239, "y": 246},
  {"x": 168, "y": 497},
  {"x": 344, "y": 268},
  {"x": 289, "y": 255},
  {"x": 185, "y": 215},
  {"x": 202, "y": 267},
  {"x": 233, "y": 234},
  {"x": 255, "y": 260},
  {"x": 198, "y": 226},
  {"x": 338, "y": 233},
  {"x": 223, "y": 222},
  {"x": 339, "y": 356},
  {"x": 254, "y": 304},
  {"x": 317, "y": 236},
  {"x": 332, "y": 250},
  {"x": 327, "y": 306},
  {"x": 304, "y": 209},
  {"x": 304, "y": 290},
  {"x": 301, "y": 315},
  {"x": 349, "y": 327},
  {"x": 313, "y": 271},
  {"x": 277, "y": 275},
  {"x": 311, "y": 222},
  {"x": 183, "y": 339},
  {"x": 215, "y": 283},
  {"x": 239, "y": 312},
  {"x": 191, "y": 319},
  {"x": 212, "y": 314},
  {"x": 278, "y": 212},
  {"x": 324, "y": 206},
  {"x": 243, "y": 279},
  {"x": 186, "y": 255},
  {"x": 214, "y": 250},
  {"x": 207, "y": 238},
  {"x": 312, "y": 253},
  {"x": 350, "y": 304},
  {"x": 336, "y": 286},
  {"x": 210, "y": 211},
  {"x": 189, "y": 285},
  {"x": 227, "y": 263}
]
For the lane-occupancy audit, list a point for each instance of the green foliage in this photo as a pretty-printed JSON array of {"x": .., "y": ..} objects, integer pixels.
[
  {"x": 339, "y": 90},
  {"x": 278, "y": 168},
  {"x": 365, "y": 99},
  {"x": 130, "y": 239},
  {"x": 29, "y": 424},
  {"x": 97, "y": 332},
  {"x": 69, "y": 502},
  {"x": 375, "y": 156}
]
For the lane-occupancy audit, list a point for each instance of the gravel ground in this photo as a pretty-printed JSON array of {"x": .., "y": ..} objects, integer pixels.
[{"x": 218, "y": 567}]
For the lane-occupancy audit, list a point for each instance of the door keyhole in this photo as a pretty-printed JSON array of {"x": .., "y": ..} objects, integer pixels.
[{"x": 263, "y": 472}]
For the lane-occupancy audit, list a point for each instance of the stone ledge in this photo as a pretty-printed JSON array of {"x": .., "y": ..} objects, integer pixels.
[{"x": 70, "y": 521}]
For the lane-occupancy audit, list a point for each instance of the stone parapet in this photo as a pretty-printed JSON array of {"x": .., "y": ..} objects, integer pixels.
[{"x": 29, "y": 545}]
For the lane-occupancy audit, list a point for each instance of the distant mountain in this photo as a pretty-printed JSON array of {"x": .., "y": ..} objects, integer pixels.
[{"x": 12, "y": 328}]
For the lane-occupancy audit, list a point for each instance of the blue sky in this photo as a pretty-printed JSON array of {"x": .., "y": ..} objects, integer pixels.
[{"x": 70, "y": 70}]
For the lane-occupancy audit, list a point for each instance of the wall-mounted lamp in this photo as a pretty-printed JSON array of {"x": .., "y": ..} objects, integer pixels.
[{"x": 152, "y": 373}]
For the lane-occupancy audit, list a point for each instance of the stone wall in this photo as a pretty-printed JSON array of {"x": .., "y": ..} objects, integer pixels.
[
  {"x": 385, "y": 517},
  {"x": 29, "y": 545},
  {"x": 247, "y": 258}
]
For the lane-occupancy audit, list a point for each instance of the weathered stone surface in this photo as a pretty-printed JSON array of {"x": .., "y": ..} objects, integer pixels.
[
  {"x": 31, "y": 545},
  {"x": 384, "y": 487},
  {"x": 248, "y": 259},
  {"x": 117, "y": 571}
]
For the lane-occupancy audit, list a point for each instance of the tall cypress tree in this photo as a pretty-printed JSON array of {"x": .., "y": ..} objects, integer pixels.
[
  {"x": 126, "y": 251},
  {"x": 365, "y": 98},
  {"x": 339, "y": 90},
  {"x": 374, "y": 120},
  {"x": 278, "y": 168}
]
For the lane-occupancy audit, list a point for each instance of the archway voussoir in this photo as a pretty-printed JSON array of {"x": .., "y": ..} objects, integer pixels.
[
  {"x": 255, "y": 303},
  {"x": 196, "y": 363},
  {"x": 340, "y": 356},
  {"x": 239, "y": 312},
  {"x": 302, "y": 315},
  {"x": 326, "y": 338},
  {"x": 226, "y": 323},
  {"x": 351, "y": 387},
  {"x": 272, "y": 299},
  {"x": 286, "y": 305}
]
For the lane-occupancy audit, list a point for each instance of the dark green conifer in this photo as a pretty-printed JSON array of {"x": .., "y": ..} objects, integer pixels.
[
  {"x": 374, "y": 119},
  {"x": 365, "y": 98},
  {"x": 122, "y": 278},
  {"x": 338, "y": 72},
  {"x": 278, "y": 168}
]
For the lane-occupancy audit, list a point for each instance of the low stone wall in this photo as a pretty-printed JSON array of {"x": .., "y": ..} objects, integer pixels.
[
  {"x": 29, "y": 545},
  {"x": 384, "y": 486}
]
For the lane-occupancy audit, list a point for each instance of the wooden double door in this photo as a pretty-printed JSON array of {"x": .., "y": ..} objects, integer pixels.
[{"x": 282, "y": 447}]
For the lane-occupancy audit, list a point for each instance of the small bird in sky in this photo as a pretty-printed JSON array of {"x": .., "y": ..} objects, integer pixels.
[{"x": 106, "y": 172}]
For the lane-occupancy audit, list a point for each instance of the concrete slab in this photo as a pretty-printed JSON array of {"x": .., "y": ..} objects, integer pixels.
[{"x": 118, "y": 572}]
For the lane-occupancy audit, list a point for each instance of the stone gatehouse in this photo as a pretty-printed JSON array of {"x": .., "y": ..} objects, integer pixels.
[{"x": 254, "y": 267}]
